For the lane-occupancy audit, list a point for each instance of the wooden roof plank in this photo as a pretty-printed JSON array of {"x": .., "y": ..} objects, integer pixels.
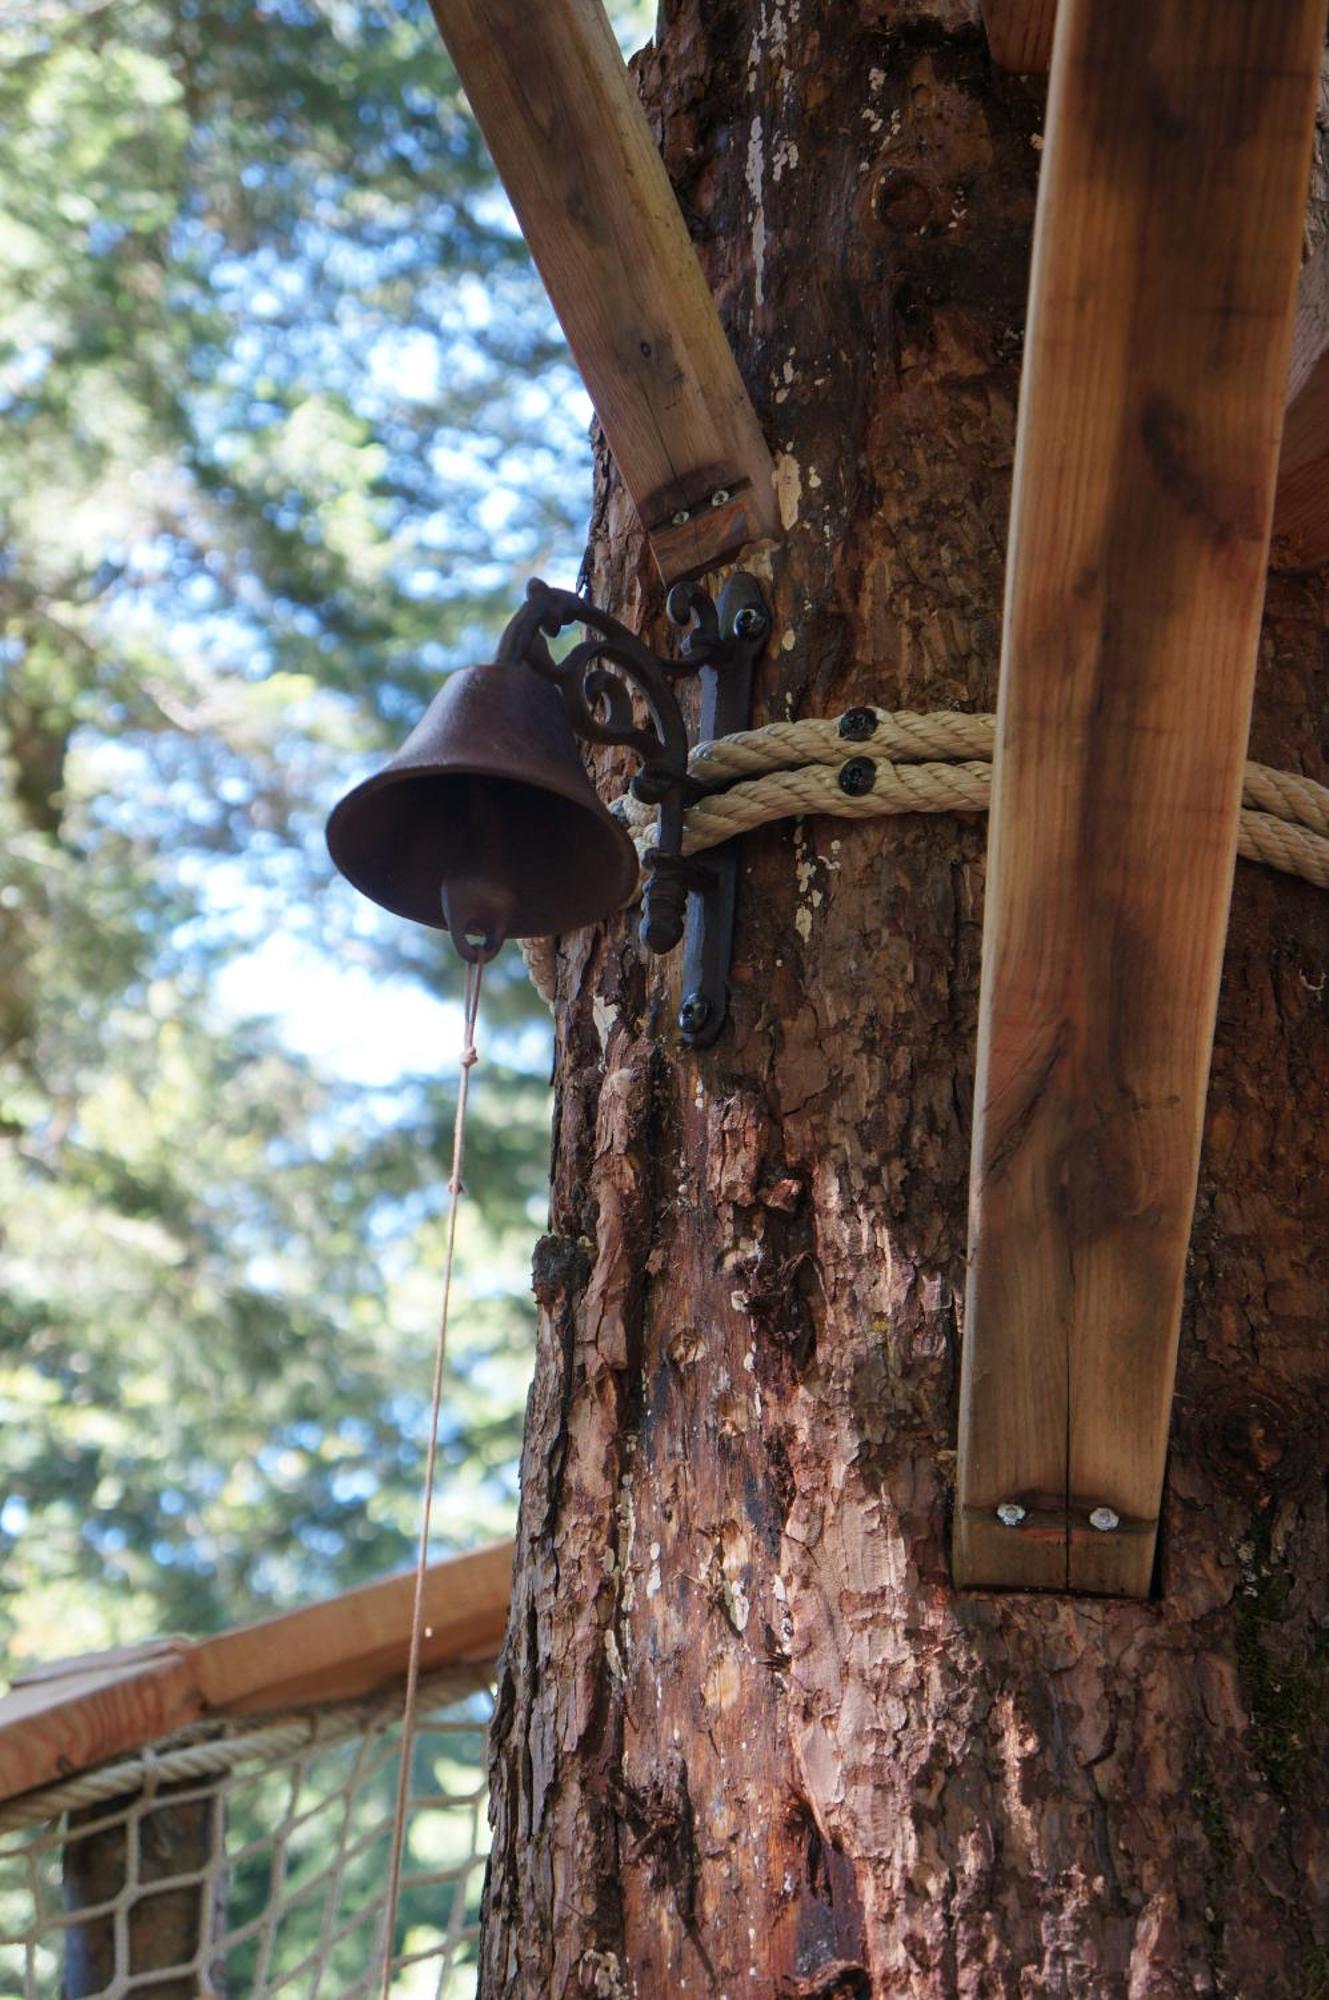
[
  {"x": 74, "y": 1714},
  {"x": 573, "y": 149},
  {"x": 351, "y": 1643},
  {"x": 1020, "y": 34},
  {"x": 1164, "y": 272}
]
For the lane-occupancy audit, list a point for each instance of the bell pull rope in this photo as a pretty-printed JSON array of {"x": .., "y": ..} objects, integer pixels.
[{"x": 468, "y": 1059}]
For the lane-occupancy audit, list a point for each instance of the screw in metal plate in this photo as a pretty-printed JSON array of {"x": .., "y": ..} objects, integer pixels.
[
  {"x": 857, "y": 777},
  {"x": 721, "y": 497},
  {"x": 1105, "y": 1519},
  {"x": 694, "y": 1013},
  {"x": 681, "y": 518},
  {"x": 749, "y": 621},
  {"x": 857, "y": 724},
  {"x": 1010, "y": 1513}
]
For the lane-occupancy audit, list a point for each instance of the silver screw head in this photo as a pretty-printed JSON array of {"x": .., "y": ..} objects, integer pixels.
[
  {"x": 721, "y": 497},
  {"x": 1010, "y": 1513},
  {"x": 681, "y": 518},
  {"x": 1105, "y": 1519}
]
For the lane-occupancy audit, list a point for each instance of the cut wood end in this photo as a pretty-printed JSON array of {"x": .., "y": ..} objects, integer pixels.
[
  {"x": 702, "y": 532},
  {"x": 1047, "y": 1549}
]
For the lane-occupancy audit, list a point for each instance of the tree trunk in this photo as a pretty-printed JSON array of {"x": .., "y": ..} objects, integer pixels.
[
  {"x": 160, "y": 1929},
  {"x": 749, "y": 1740}
]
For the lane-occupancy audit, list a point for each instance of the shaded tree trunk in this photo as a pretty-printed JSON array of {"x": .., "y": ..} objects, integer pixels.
[
  {"x": 161, "y": 1929},
  {"x": 749, "y": 1740}
]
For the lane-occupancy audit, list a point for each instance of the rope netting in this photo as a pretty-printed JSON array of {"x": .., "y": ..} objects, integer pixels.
[{"x": 236, "y": 1862}]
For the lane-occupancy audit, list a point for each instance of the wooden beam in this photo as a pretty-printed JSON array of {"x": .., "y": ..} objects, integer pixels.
[
  {"x": 355, "y": 1642},
  {"x": 1301, "y": 507},
  {"x": 1020, "y": 38},
  {"x": 574, "y": 151},
  {"x": 1020, "y": 33},
  {"x": 69, "y": 1715},
  {"x": 1164, "y": 272}
]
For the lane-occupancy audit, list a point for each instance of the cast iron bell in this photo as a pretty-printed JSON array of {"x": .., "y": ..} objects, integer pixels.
[{"x": 485, "y": 823}]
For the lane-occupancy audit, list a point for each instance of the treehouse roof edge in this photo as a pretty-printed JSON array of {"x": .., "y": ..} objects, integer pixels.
[
  {"x": 573, "y": 149},
  {"x": 66, "y": 1716}
]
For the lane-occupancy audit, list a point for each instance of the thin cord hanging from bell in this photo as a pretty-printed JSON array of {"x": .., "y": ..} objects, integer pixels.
[{"x": 469, "y": 1058}]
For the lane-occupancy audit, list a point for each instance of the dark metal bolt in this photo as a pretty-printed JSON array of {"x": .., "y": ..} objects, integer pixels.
[
  {"x": 694, "y": 1013},
  {"x": 750, "y": 621},
  {"x": 857, "y": 724},
  {"x": 857, "y": 777}
]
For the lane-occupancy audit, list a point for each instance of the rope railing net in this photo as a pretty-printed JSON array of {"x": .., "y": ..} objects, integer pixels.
[{"x": 237, "y": 1862}]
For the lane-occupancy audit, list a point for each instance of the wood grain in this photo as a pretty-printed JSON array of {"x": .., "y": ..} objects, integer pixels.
[
  {"x": 571, "y": 144},
  {"x": 1301, "y": 505},
  {"x": 1020, "y": 33},
  {"x": 71, "y": 1715},
  {"x": 1164, "y": 273}
]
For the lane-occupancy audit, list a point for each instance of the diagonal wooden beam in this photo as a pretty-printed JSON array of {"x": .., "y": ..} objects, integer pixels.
[
  {"x": 1020, "y": 33},
  {"x": 1301, "y": 508},
  {"x": 572, "y": 147},
  {"x": 1164, "y": 272}
]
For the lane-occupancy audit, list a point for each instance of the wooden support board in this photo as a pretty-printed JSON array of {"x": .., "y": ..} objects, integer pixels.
[
  {"x": 69, "y": 1715},
  {"x": 1301, "y": 508},
  {"x": 574, "y": 151},
  {"x": 1164, "y": 272},
  {"x": 1020, "y": 33}
]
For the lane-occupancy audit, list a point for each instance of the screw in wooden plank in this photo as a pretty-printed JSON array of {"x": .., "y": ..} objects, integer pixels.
[
  {"x": 1105, "y": 1519},
  {"x": 1010, "y": 1513}
]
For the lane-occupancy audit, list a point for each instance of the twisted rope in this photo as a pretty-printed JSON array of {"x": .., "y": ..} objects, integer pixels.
[
  {"x": 792, "y": 767},
  {"x": 934, "y": 763},
  {"x": 215, "y": 1756}
]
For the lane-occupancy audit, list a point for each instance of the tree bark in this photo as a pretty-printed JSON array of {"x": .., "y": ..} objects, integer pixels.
[{"x": 749, "y": 1740}]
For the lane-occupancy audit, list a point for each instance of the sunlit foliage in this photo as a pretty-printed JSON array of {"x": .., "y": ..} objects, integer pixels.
[{"x": 283, "y": 423}]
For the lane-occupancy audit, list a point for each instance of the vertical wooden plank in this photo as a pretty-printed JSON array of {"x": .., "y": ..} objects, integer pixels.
[
  {"x": 1301, "y": 507},
  {"x": 1165, "y": 260},
  {"x": 164, "y": 1928},
  {"x": 573, "y": 149},
  {"x": 1020, "y": 33}
]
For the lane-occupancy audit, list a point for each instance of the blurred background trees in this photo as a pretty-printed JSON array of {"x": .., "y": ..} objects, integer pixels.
[{"x": 284, "y": 424}]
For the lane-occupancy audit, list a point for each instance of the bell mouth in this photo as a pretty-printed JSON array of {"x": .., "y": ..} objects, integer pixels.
[
  {"x": 486, "y": 816},
  {"x": 505, "y": 858}
]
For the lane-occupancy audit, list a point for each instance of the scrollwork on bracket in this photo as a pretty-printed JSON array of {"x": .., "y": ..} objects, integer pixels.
[{"x": 597, "y": 680}]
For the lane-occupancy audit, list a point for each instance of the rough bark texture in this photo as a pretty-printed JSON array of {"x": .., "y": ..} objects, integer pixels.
[{"x": 749, "y": 1740}]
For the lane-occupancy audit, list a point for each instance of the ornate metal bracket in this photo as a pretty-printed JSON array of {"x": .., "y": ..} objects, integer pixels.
[{"x": 598, "y": 680}]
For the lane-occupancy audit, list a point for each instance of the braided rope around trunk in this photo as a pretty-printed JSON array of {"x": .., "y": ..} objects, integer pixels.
[{"x": 791, "y": 768}]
